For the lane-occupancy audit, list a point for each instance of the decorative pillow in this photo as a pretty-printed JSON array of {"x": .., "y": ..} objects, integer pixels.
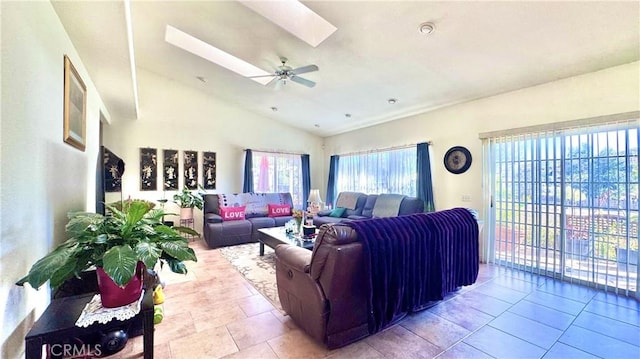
[
  {"x": 279, "y": 210},
  {"x": 337, "y": 212},
  {"x": 232, "y": 213}
]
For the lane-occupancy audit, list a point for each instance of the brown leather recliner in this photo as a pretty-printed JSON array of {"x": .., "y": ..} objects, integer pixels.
[
  {"x": 342, "y": 291},
  {"x": 325, "y": 291}
]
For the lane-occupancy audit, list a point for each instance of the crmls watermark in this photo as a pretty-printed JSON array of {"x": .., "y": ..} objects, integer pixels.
[{"x": 74, "y": 350}]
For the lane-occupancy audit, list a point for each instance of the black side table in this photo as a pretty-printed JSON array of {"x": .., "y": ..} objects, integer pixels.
[{"x": 58, "y": 322}]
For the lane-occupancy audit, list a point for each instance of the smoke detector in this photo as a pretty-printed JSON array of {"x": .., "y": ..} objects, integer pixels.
[{"x": 427, "y": 28}]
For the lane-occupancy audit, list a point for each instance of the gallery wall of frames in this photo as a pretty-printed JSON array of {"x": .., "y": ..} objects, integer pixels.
[{"x": 172, "y": 169}]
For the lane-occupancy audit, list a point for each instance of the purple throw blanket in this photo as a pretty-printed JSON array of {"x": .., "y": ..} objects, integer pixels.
[{"x": 416, "y": 259}]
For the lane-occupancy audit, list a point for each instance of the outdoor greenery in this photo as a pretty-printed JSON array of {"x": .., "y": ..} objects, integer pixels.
[
  {"x": 567, "y": 202},
  {"x": 134, "y": 232}
]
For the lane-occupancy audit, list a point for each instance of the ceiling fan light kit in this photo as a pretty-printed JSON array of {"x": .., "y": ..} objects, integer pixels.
[{"x": 285, "y": 73}]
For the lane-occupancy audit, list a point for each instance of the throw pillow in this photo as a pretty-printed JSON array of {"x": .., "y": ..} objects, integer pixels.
[
  {"x": 279, "y": 210},
  {"x": 337, "y": 212},
  {"x": 232, "y": 213}
]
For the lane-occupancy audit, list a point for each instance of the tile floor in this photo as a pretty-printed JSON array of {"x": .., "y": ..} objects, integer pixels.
[{"x": 213, "y": 312}]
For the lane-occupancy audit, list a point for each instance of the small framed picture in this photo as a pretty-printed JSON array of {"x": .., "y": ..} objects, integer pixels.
[
  {"x": 75, "y": 107},
  {"x": 209, "y": 170},
  {"x": 191, "y": 169},
  {"x": 148, "y": 169}
]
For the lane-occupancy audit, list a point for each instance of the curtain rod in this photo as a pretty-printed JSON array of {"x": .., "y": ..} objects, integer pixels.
[
  {"x": 275, "y": 151},
  {"x": 383, "y": 149}
]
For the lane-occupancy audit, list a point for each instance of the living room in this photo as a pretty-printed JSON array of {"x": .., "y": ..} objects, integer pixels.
[{"x": 37, "y": 164}]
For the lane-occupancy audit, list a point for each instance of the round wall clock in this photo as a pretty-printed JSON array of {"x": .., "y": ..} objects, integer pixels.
[{"x": 457, "y": 160}]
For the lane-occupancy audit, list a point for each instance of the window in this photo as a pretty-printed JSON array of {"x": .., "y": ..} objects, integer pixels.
[
  {"x": 391, "y": 171},
  {"x": 278, "y": 172},
  {"x": 565, "y": 203}
]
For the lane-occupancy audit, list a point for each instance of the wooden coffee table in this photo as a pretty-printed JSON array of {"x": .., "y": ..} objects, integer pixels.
[{"x": 276, "y": 235}]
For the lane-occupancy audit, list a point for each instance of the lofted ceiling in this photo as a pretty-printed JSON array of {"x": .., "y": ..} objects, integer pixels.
[{"x": 478, "y": 49}]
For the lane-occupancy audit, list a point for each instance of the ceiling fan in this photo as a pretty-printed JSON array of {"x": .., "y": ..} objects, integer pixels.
[{"x": 284, "y": 73}]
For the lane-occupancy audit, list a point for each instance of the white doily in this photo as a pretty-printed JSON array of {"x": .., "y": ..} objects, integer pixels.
[{"x": 95, "y": 312}]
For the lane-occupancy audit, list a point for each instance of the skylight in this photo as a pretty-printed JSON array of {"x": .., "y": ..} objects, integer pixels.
[
  {"x": 209, "y": 52},
  {"x": 294, "y": 17}
]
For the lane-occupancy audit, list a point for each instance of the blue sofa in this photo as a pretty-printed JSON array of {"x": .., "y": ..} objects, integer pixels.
[{"x": 365, "y": 207}]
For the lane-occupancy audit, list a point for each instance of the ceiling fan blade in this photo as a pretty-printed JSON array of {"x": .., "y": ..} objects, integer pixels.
[
  {"x": 254, "y": 77},
  {"x": 304, "y": 69},
  {"x": 302, "y": 81}
]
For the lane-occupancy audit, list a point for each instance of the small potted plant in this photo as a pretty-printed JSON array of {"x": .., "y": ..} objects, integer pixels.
[
  {"x": 187, "y": 200},
  {"x": 119, "y": 246}
]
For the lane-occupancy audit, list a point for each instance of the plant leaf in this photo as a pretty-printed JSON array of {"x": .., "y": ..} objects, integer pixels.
[
  {"x": 186, "y": 230},
  {"x": 81, "y": 222},
  {"x": 120, "y": 264},
  {"x": 177, "y": 266},
  {"x": 136, "y": 212},
  {"x": 45, "y": 268},
  {"x": 156, "y": 214},
  {"x": 148, "y": 253},
  {"x": 101, "y": 239},
  {"x": 169, "y": 231},
  {"x": 63, "y": 273},
  {"x": 179, "y": 251}
]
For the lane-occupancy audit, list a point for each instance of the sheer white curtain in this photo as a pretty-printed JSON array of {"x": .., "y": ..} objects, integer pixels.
[
  {"x": 563, "y": 202},
  {"x": 278, "y": 172},
  {"x": 390, "y": 171}
]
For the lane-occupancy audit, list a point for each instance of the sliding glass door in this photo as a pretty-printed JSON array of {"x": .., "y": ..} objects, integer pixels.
[{"x": 564, "y": 203}]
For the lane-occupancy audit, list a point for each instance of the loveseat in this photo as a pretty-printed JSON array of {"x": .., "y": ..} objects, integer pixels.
[
  {"x": 241, "y": 226},
  {"x": 364, "y": 276},
  {"x": 362, "y": 206}
]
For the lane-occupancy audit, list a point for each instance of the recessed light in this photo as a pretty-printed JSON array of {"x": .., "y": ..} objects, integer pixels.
[
  {"x": 274, "y": 109},
  {"x": 202, "y": 79},
  {"x": 427, "y": 28},
  {"x": 347, "y": 115},
  {"x": 392, "y": 101}
]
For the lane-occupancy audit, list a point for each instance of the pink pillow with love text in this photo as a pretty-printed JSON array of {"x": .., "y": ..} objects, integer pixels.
[
  {"x": 279, "y": 210},
  {"x": 232, "y": 213}
]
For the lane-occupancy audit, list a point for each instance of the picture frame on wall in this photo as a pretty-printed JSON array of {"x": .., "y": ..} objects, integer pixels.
[
  {"x": 209, "y": 170},
  {"x": 75, "y": 107},
  {"x": 170, "y": 170},
  {"x": 113, "y": 170},
  {"x": 191, "y": 169},
  {"x": 148, "y": 169}
]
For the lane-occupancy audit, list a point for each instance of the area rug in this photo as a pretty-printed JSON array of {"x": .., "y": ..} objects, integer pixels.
[{"x": 260, "y": 271}]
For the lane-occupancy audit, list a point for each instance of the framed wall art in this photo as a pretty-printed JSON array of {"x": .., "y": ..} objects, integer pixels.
[
  {"x": 148, "y": 169},
  {"x": 113, "y": 170},
  {"x": 191, "y": 169},
  {"x": 209, "y": 170},
  {"x": 170, "y": 169},
  {"x": 75, "y": 107}
]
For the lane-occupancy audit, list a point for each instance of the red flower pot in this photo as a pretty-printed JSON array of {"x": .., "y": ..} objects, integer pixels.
[{"x": 113, "y": 295}]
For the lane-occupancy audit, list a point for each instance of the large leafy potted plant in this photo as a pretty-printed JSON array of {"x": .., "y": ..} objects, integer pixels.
[
  {"x": 187, "y": 200},
  {"x": 115, "y": 245}
]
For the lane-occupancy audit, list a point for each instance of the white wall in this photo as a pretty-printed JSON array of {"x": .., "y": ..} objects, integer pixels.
[
  {"x": 42, "y": 178},
  {"x": 173, "y": 116},
  {"x": 610, "y": 91}
]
